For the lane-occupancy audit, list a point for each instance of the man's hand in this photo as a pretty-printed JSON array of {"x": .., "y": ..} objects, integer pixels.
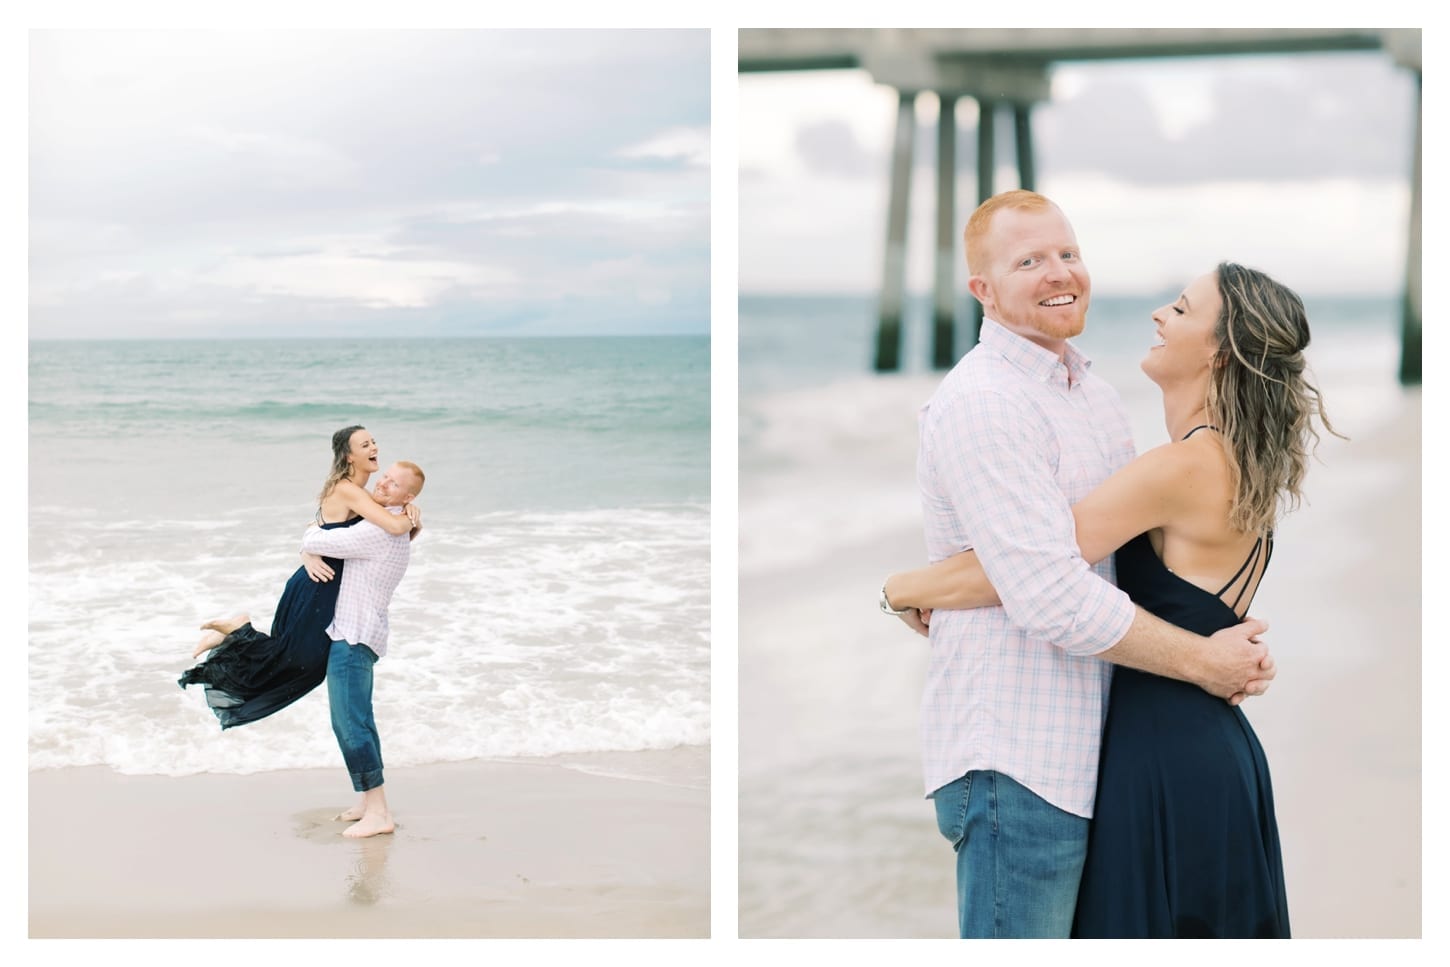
[
  {"x": 1261, "y": 684},
  {"x": 317, "y": 569},
  {"x": 1239, "y": 664},
  {"x": 917, "y": 620}
]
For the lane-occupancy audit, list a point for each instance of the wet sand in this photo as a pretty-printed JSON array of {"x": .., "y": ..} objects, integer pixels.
[{"x": 519, "y": 849}]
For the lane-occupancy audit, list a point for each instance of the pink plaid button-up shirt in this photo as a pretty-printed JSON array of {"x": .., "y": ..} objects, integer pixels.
[
  {"x": 373, "y": 563},
  {"x": 1007, "y": 445}
]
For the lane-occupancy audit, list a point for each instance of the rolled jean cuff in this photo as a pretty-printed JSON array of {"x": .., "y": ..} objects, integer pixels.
[{"x": 363, "y": 781}]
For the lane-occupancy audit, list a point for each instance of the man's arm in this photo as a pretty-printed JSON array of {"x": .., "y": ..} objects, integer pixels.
[
  {"x": 998, "y": 468},
  {"x": 362, "y": 539},
  {"x": 1231, "y": 664},
  {"x": 993, "y": 457}
]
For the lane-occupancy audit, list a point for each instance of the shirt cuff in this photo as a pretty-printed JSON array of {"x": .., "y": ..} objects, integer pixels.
[{"x": 1103, "y": 621}]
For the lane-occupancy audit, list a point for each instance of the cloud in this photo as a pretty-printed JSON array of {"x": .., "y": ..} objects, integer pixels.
[
  {"x": 1313, "y": 118},
  {"x": 307, "y": 174},
  {"x": 280, "y": 157},
  {"x": 1300, "y": 163},
  {"x": 381, "y": 280},
  {"x": 1178, "y": 122},
  {"x": 831, "y": 147},
  {"x": 689, "y": 146}
]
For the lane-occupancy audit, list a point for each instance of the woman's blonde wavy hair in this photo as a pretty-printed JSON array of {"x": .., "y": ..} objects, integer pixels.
[
  {"x": 1259, "y": 398},
  {"x": 341, "y": 448}
]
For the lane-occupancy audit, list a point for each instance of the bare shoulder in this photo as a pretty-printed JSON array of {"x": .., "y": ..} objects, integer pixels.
[
  {"x": 1183, "y": 473},
  {"x": 341, "y": 498},
  {"x": 1203, "y": 466},
  {"x": 1205, "y": 452},
  {"x": 1165, "y": 463}
]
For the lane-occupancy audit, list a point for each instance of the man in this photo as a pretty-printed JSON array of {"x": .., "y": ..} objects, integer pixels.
[
  {"x": 376, "y": 561},
  {"x": 1013, "y": 708}
]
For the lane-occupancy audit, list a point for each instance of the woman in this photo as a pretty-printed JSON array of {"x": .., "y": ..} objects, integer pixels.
[
  {"x": 251, "y": 675},
  {"x": 1183, "y": 840}
]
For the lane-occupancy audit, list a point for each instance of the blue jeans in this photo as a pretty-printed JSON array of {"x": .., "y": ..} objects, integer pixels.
[
  {"x": 1019, "y": 858},
  {"x": 350, "y": 694}
]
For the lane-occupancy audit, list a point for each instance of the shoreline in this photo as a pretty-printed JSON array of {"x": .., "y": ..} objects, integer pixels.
[{"x": 608, "y": 845}]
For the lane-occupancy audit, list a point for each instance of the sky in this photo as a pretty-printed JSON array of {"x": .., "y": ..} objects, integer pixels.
[
  {"x": 368, "y": 183},
  {"x": 1298, "y": 165}
]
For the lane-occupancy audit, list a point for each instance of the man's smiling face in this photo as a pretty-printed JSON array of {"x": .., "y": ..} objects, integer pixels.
[
  {"x": 396, "y": 487},
  {"x": 1035, "y": 282}
]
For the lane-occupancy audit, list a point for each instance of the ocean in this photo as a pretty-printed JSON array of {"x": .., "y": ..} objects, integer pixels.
[
  {"x": 835, "y": 836},
  {"x": 558, "y": 599},
  {"x": 809, "y": 401}
]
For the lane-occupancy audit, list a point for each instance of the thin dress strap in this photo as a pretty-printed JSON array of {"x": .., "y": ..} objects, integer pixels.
[{"x": 1201, "y": 426}]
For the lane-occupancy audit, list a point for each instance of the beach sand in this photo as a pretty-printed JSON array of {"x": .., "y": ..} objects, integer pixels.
[
  {"x": 835, "y": 837},
  {"x": 522, "y": 848}
]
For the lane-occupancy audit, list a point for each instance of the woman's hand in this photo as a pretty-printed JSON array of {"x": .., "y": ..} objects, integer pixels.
[
  {"x": 918, "y": 620},
  {"x": 415, "y": 517},
  {"x": 317, "y": 569}
]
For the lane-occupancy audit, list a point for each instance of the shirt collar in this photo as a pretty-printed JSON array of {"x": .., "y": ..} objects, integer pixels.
[{"x": 1036, "y": 362}]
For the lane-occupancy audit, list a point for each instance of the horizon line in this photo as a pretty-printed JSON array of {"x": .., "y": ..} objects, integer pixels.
[{"x": 332, "y": 336}]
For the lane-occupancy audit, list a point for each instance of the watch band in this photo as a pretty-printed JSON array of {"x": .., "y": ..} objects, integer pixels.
[{"x": 886, "y": 607}]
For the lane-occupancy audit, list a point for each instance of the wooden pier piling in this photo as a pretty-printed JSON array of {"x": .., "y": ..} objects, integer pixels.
[
  {"x": 893, "y": 275},
  {"x": 944, "y": 309}
]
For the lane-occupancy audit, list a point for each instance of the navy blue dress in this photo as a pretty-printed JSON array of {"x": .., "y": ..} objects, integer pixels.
[
  {"x": 250, "y": 675},
  {"x": 1183, "y": 841}
]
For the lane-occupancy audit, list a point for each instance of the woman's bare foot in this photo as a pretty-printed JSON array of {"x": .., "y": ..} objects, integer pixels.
[
  {"x": 208, "y": 641},
  {"x": 371, "y": 824},
  {"x": 227, "y": 625},
  {"x": 353, "y": 813}
]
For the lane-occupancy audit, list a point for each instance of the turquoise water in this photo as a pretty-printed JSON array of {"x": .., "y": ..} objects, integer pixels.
[
  {"x": 530, "y": 422},
  {"x": 558, "y": 599}
]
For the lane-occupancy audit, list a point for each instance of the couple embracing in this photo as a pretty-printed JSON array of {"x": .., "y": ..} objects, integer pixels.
[
  {"x": 1087, "y": 610},
  {"x": 331, "y": 621}
]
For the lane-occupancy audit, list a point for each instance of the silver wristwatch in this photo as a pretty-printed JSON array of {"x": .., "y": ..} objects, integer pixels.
[{"x": 886, "y": 607}]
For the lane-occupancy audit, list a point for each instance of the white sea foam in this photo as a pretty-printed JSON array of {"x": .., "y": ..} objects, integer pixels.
[{"x": 514, "y": 634}]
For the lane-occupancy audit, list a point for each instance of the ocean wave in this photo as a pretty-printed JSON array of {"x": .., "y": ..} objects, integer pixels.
[
  {"x": 523, "y": 634},
  {"x": 70, "y": 417}
]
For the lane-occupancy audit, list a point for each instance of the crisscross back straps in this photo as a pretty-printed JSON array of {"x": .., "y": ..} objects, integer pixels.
[{"x": 1249, "y": 565}]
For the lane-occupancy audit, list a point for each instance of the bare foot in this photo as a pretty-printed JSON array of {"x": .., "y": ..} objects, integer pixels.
[
  {"x": 208, "y": 641},
  {"x": 227, "y": 625},
  {"x": 370, "y": 825},
  {"x": 352, "y": 814}
]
